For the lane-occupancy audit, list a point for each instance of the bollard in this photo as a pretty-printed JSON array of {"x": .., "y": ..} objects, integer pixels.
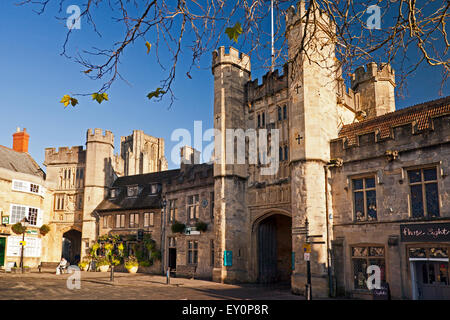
[{"x": 168, "y": 276}]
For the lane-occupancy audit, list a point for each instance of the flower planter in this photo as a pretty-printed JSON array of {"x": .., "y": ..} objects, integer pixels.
[
  {"x": 103, "y": 268},
  {"x": 84, "y": 268},
  {"x": 132, "y": 269}
]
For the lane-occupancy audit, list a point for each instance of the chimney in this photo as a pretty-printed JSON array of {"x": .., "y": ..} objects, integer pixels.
[{"x": 20, "y": 140}]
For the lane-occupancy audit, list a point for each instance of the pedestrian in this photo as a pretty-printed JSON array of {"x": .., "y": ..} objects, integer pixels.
[{"x": 61, "y": 266}]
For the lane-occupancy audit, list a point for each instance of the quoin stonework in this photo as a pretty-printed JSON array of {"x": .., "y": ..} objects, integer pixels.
[{"x": 371, "y": 181}]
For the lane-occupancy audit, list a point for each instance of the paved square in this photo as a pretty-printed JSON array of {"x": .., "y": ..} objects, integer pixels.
[{"x": 97, "y": 286}]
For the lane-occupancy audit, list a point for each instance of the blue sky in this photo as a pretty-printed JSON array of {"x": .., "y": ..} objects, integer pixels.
[{"x": 34, "y": 77}]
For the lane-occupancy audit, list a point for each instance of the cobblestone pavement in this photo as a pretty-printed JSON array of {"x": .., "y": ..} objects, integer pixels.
[{"x": 97, "y": 286}]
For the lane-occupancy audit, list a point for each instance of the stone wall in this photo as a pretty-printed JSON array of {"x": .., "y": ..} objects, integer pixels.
[{"x": 416, "y": 149}]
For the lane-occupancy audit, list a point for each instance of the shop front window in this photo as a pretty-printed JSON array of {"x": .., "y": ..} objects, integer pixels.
[{"x": 362, "y": 258}]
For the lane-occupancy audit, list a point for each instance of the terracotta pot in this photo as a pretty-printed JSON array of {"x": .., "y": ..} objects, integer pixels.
[
  {"x": 104, "y": 268},
  {"x": 132, "y": 269}
]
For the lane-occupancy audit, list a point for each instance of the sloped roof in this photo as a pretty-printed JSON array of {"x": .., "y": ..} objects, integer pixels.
[
  {"x": 141, "y": 179},
  {"x": 19, "y": 162},
  {"x": 145, "y": 199},
  {"x": 421, "y": 114}
]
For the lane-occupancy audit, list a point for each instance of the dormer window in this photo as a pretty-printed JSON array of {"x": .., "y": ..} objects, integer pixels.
[
  {"x": 133, "y": 191},
  {"x": 155, "y": 188},
  {"x": 114, "y": 193}
]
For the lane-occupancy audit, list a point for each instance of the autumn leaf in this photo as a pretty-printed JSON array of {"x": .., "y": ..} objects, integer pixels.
[
  {"x": 99, "y": 97},
  {"x": 189, "y": 75},
  {"x": 234, "y": 32},
  {"x": 155, "y": 93},
  {"x": 66, "y": 99},
  {"x": 149, "y": 46},
  {"x": 73, "y": 102},
  {"x": 87, "y": 71}
]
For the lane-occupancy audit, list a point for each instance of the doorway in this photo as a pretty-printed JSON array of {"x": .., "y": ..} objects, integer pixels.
[
  {"x": 2, "y": 251},
  {"x": 71, "y": 246},
  {"x": 172, "y": 259},
  {"x": 432, "y": 280},
  {"x": 274, "y": 249}
]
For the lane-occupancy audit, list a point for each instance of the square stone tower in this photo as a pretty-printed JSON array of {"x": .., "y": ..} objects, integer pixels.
[
  {"x": 231, "y": 73},
  {"x": 313, "y": 123},
  {"x": 99, "y": 175}
]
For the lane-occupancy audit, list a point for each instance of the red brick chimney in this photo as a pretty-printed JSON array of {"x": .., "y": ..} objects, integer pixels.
[{"x": 20, "y": 140}]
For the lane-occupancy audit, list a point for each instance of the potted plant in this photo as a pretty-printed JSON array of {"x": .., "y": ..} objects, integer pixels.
[
  {"x": 178, "y": 227},
  {"x": 102, "y": 264},
  {"x": 131, "y": 264},
  {"x": 26, "y": 269},
  {"x": 44, "y": 229},
  {"x": 84, "y": 264},
  {"x": 201, "y": 226},
  {"x": 18, "y": 228}
]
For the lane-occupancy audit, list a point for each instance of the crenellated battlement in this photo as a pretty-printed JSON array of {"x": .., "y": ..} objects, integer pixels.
[
  {"x": 233, "y": 57},
  {"x": 372, "y": 71},
  {"x": 99, "y": 136},
  {"x": 295, "y": 14},
  {"x": 74, "y": 154},
  {"x": 272, "y": 83},
  {"x": 376, "y": 140}
]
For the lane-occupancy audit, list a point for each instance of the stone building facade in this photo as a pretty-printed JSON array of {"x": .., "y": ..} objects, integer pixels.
[
  {"x": 24, "y": 193},
  {"x": 151, "y": 203},
  {"x": 259, "y": 217},
  {"x": 390, "y": 192},
  {"x": 83, "y": 176},
  {"x": 370, "y": 181}
]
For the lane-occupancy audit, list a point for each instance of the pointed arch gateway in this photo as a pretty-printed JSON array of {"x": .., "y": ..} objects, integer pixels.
[
  {"x": 273, "y": 237},
  {"x": 71, "y": 244}
]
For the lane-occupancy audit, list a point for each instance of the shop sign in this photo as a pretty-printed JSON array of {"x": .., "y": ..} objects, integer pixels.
[{"x": 428, "y": 232}]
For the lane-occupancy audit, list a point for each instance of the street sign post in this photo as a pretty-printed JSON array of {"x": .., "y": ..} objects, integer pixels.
[{"x": 307, "y": 253}]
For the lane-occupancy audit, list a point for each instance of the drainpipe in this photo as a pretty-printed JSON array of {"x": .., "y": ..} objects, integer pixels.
[
  {"x": 332, "y": 163},
  {"x": 163, "y": 234}
]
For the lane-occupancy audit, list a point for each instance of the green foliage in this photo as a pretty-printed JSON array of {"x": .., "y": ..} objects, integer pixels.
[
  {"x": 44, "y": 229},
  {"x": 66, "y": 99},
  {"x": 156, "y": 255},
  {"x": 84, "y": 263},
  {"x": 99, "y": 97},
  {"x": 113, "y": 249},
  {"x": 18, "y": 228},
  {"x": 93, "y": 252},
  {"x": 131, "y": 262},
  {"x": 178, "y": 227},
  {"x": 155, "y": 93},
  {"x": 145, "y": 263},
  {"x": 201, "y": 226},
  {"x": 234, "y": 32},
  {"x": 102, "y": 261}
]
